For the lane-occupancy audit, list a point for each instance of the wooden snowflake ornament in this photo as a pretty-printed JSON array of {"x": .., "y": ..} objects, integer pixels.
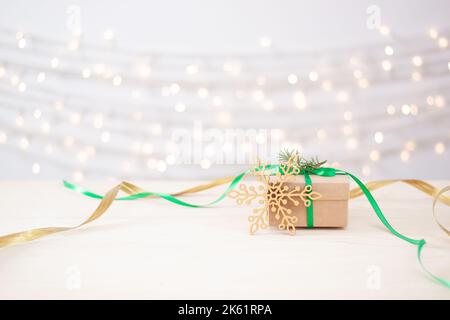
[{"x": 272, "y": 194}]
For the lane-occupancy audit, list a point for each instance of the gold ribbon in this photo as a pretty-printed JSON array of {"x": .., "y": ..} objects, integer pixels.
[
  {"x": 129, "y": 188},
  {"x": 438, "y": 195}
]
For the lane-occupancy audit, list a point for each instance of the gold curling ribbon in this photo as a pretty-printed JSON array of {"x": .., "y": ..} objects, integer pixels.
[
  {"x": 129, "y": 188},
  {"x": 438, "y": 195}
]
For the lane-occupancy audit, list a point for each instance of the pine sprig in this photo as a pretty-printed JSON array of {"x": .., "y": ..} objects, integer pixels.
[{"x": 287, "y": 155}]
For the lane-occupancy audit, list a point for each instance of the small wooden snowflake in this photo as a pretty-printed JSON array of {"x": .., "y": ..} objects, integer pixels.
[{"x": 274, "y": 195}]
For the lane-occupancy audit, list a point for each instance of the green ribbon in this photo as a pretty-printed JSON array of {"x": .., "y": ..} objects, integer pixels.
[
  {"x": 165, "y": 196},
  {"x": 324, "y": 172},
  {"x": 310, "y": 208}
]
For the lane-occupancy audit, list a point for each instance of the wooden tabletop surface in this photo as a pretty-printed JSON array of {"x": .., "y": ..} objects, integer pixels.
[{"x": 157, "y": 250}]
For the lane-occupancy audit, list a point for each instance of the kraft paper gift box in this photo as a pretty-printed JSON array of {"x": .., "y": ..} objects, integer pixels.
[{"x": 330, "y": 211}]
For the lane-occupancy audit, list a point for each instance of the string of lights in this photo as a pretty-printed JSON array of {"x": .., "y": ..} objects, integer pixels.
[{"x": 327, "y": 99}]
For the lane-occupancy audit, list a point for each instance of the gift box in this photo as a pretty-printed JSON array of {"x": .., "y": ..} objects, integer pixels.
[{"x": 330, "y": 210}]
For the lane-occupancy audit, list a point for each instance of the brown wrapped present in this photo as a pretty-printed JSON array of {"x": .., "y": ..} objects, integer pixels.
[{"x": 330, "y": 210}]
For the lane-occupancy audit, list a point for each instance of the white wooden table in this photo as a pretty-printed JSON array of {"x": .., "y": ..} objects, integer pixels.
[{"x": 153, "y": 249}]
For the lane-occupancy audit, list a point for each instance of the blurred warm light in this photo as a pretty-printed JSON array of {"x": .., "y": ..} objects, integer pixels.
[
  {"x": 36, "y": 168},
  {"x": 321, "y": 134},
  {"x": 21, "y": 87},
  {"x": 348, "y": 115},
  {"x": 74, "y": 44},
  {"x": 171, "y": 159},
  {"x": 388, "y": 50},
  {"x": 192, "y": 69},
  {"x": 232, "y": 67},
  {"x": 410, "y": 145},
  {"x": 117, "y": 81},
  {"x": 40, "y": 77},
  {"x": 433, "y": 33},
  {"x": 342, "y": 96},
  {"x": 99, "y": 68},
  {"x": 205, "y": 163},
  {"x": 374, "y": 155},
  {"x": 366, "y": 171},
  {"x": 82, "y": 156},
  {"x": 417, "y": 61},
  {"x": 265, "y": 42},
  {"x": 20, "y": 121},
  {"x": 404, "y": 155},
  {"x": 147, "y": 148},
  {"x": 386, "y": 65},
  {"x": 75, "y": 118},
  {"x": 15, "y": 80},
  {"x": 144, "y": 70},
  {"x": 98, "y": 120},
  {"x": 54, "y": 63},
  {"x": 161, "y": 166},
  {"x": 261, "y": 81},
  {"x": 217, "y": 101},
  {"x": 384, "y": 30},
  {"x": 443, "y": 42},
  {"x": 439, "y": 101},
  {"x": 258, "y": 95},
  {"x": 19, "y": 35},
  {"x": 3, "y": 137},
  {"x": 108, "y": 34},
  {"x": 45, "y": 127},
  {"x": 313, "y": 76},
  {"x": 37, "y": 113},
  {"x": 174, "y": 88},
  {"x": 90, "y": 151},
  {"x": 268, "y": 105},
  {"x": 416, "y": 76},
  {"x": 352, "y": 143},
  {"x": 348, "y": 130},
  {"x": 439, "y": 148},
  {"x": 292, "y": 79},
  {"x": 378, "y": 137},
  {"x": 180, "y": 107},
  {"x": 68, "y": 141},
  {"x": 165, "y": 91},
  {"x": 299, "y": 100},
  {"x": 105, "y": 137},
  {"x": 22, "y": 43},
  {"x": 78, "y": 176},
  {"x": 24, "y": 143},
  {"x": 224, "y": 118},
  {"x": 363, "y": 83},
  {"x": 86, "y": 73},
  {"x": 203, "y": 93},
  {"x": 156, "y": 129},
  {"x": 406, "y": 109},
  {"x": 327, "y": 85},
  {"x": 354, "y": 61},
  {"x": 357, "y": 74},
  {"x": 390, "y": 109}
]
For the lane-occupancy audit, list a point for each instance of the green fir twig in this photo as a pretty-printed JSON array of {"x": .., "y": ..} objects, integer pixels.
[{"x": 287, "y": 155}]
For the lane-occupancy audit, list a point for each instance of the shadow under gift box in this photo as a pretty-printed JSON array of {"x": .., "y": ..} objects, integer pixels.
[{"x": 330, "y": 211}]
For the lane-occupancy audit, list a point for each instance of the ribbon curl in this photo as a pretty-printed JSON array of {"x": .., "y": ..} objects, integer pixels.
[{"x": 134, "y": 192}]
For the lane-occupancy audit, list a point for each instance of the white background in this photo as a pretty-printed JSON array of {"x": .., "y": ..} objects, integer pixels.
[{"x": 235, "y": 27}]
